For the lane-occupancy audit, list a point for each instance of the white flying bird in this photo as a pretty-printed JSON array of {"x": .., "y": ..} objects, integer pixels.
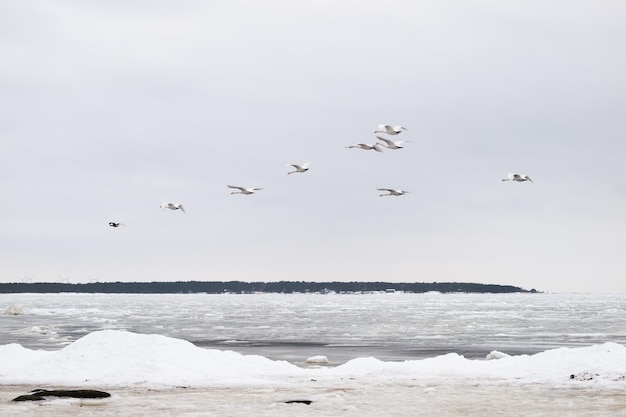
[
  {"x": 391, "y": 191},
  {"x": 114, "y": 224},
  {"x": 390, "y": 144},
  {"x": 390, "y": 130},
  {"x": 299, "y": 168},
  {"x": 365, "y": 146},
  {"x": 516, "y": 177},
  {"x": 242, "y": 190},
  {"x": 173, "y": 206}
]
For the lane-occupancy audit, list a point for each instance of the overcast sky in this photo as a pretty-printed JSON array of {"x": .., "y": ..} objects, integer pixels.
[{"x": 110, "y": 108}]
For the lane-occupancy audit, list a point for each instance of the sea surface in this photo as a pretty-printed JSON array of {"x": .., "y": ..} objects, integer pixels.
[{"x": 294, "y": 327}]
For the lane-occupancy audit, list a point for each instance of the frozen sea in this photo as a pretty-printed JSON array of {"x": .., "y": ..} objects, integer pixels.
[{"x": 350, "y": 354}]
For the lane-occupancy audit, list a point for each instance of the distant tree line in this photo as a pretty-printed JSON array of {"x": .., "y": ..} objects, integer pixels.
[{"x": 240, "y": 287}]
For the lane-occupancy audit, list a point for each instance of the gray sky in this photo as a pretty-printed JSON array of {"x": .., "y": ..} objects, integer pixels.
[{"x": 110, "y": 108}]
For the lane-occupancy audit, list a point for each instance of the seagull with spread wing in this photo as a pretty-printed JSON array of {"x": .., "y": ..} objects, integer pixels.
[
  {"x": 173, "y": 206},
  {"x": 242, "y": 190},
  {"x": 390, "y": 144},
  {"x": 391, "y": 192},
  {"x": 390, "y": 130},
  {"x": 517, "y": 177},
  {"x": 299, "y": 168},
  {"x": 365, "y": 146}
]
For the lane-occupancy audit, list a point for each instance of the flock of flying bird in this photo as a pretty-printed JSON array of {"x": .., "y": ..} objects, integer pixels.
[
  {"x": 302, "y": 168},
  {"x": 389, "y": 144}
]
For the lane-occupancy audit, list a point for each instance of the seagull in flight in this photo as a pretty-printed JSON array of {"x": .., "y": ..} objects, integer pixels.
[
  {"x": 173, "y": 206},
  {"x": 517, "y": 177},
  {"x": 242, "y": 190},
  {"x": 391, "y": 191},
  {"x": 390, "y": 130},
  {"x": 299, "y": 168},
  {"x": 365, "y": 146},
  {"x": 390, "y": 144},
  {"x": 113, "y": 224}
]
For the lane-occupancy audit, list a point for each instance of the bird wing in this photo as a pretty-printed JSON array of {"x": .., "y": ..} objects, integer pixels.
[
  {"x": 386, "y": 189},
  {"x": 387, "y": 141},
  {"x": 376, "y": 148},
  {"x": 237, "y": 188}
]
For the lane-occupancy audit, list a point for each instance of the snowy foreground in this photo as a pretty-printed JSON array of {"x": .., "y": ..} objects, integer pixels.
[{"x": 150, "y": 374}]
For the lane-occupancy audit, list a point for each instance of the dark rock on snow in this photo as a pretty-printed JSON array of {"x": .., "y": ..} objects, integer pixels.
[
  {"x": 41, "y": 394},
  {"x": 307, "y": 402},
  {"x": 584, "y": 376}
]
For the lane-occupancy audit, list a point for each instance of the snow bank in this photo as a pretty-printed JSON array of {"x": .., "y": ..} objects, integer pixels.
[
  {"x": 119, "y": 358},
  {"x": 113, "y": 357},
  {"x": 606, "y": 362},
  {"x": 14, "y": 356}
]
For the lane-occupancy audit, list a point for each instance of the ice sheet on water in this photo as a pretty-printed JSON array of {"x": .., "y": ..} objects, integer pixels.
[{"x": 342, "y": 327}]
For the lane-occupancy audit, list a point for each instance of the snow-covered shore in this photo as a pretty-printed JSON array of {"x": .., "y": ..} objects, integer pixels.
[
  {"x": 146, "y": 373},
  {"x": 350, "y": 398},
  {"x": 121, "y": 358}
]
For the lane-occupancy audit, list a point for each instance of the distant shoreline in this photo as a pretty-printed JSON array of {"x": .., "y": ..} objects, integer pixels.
[{"x": 241, "y": 287}]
